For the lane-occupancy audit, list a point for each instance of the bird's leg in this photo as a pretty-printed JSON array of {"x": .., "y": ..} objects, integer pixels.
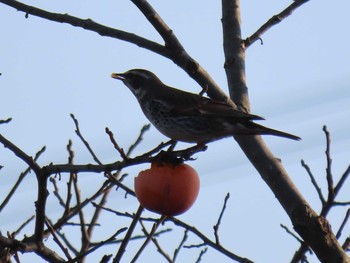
[
  {"x": 186, "y": 154},
  {"x": 179, "y": 156},
  {"x": 172, "y": 145}
]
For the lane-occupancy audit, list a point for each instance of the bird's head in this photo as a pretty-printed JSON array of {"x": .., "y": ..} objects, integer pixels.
[{"x": 138, "y": 80}]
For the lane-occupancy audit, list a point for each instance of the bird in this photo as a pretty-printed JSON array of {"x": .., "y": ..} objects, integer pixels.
[{"x": 189, "y": 117}]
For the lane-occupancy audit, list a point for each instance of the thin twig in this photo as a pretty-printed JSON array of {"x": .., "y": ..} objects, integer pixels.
[
  {"x": 114, "y": 178},
  {"x": 56, "y": 192},
  {"x": 139, "y": 139},
  {"x": 196, "y": 245},
  {"x": 21, "y": 154},
  {"x": 100, "y": 244},
  {"x": 13, "y": 234},
  {"x": 128, "y": 234},
  {"x": 20, "y": 179},
  {"x": 115, "y": 144},
  {"x": 57, "y": 240},
  {"x": 338, "y": 203},
  {"x": 209, "y": 242},
  {"x": 206, "y": 240},
  {"x": 68, "y": 244},
  {"x": 292, "y": 234},
  {"x": 217, "y": 225},
  {"x": 345, "y": 220},
  {"x": 183, "y": 240},
  {"x": 74, "y": 210},
  {"x": 273, "y": 21},
  {"x": 148, "y": 239},
  {"x": 5, "y": 121},
  {"x": 342, "y": 180},
  {"x": 329, "y": 175},
  {"x": 85, "y": 142},
  {"x": 85, "y": 237},
  {"x": 156, "y": 243},
  {"x": 314, "y": 182},
  {"x": 71, "y": 178},
  {"x": 41, "y": 176},
  {"x": 138, "y": 237},
  {"x": 69, "y": 193},
  {"x": 203, "y": 251}
]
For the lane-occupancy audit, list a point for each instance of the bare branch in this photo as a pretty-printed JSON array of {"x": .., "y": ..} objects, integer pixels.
[
  {"x": 206, "y": 240},
  {"x": 21, "y": 154},
  {"x": 179, "y": 55},
  {"x": 100, "y": 244},
  {"x": 13, "y": 234},
  {"x": 149, "y": 237},
  {"x": 234, "y": 54},
  {"x": 56, "y": 192},
  {"x": 326, "y": 204},
  {"x": 87, "y": 145},
  {"x": 139, "y": 139},
  {"x": 128, "y": 234},
  {"x": 216, "y": 226},
  {"x": 67, "y": 242},
  {"x": 88, "y": 24},
  {"x": 329, "y": 175},
  {"x": 209, "y": 242},
  {"x": 345, "y": 220},
  {"x": 115, "y": 180},
  {"x": 292, "y": 234},
  {"x": 155, "y": 242},
  {"x": 5, "y": 121},
  {"x": 183, "y": 240},
  {"x": 85, "y": 237},
  {"x": 203, "y": 251},
  {"x": 175, "y": 51},
  {"x": 57, "y": 240},
  {"x": 315, "y": 230},
  {"x": 24, "y": 247},
  {"x": 273, "y": 21},
  {"x": 342, "y": 180},
  {"x": 19, "y": 180},
  {"x": 314, "y": 182},
  {"x": 115, "y": 144}
]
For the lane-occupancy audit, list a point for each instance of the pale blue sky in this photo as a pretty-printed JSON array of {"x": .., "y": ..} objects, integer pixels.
[{"x": 298, "y": 80}]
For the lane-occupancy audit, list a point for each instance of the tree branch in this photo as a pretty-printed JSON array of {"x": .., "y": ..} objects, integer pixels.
[
  {"x": 313, "y": 229},
  {"x": 273, "y": 21},
  {"x": 127, "y": 236},
  {"x": 88, "y": 24},
  {"x": 172, "y": 50},
  {"x": 234, "y": 54},
  {"x": 179, "y": 55},
  {"x": 39, "y": 249}
]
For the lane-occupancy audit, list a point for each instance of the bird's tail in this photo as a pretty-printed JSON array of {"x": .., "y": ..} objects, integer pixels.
[{"x": 258, "y": 129}]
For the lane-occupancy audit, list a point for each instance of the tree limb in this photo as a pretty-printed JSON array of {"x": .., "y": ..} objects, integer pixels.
[
  {"x": 273, "y": 21},
  {"x": 315, "y": 230}
]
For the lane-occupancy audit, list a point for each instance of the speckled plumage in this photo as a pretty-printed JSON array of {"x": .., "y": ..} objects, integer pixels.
[{"x": 189, "y": 117}]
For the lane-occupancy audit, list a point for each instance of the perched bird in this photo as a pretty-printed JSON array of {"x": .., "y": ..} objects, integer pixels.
[{"x": 189, "y": 117}]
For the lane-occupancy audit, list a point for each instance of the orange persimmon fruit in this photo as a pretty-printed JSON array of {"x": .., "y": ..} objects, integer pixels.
[{"x": 167, "y": 189}]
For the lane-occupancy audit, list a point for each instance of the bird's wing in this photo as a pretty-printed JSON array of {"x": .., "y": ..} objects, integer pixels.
[
  {"x": 212, "y": 107},
  {"x": 191, "y": 104}
]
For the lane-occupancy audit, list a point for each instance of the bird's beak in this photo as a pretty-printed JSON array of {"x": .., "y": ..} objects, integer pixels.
[{"x": 119, "y": 76}]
